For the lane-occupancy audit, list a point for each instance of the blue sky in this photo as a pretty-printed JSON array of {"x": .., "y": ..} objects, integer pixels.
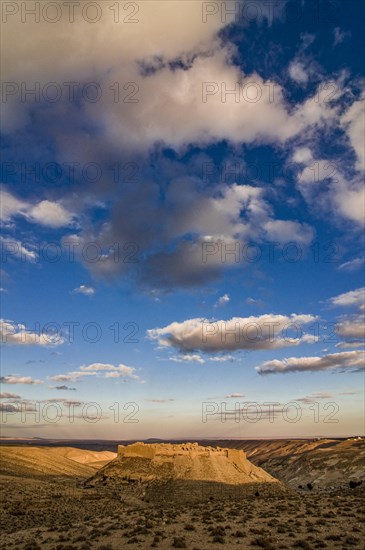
[{"x": 182, "y": 210}]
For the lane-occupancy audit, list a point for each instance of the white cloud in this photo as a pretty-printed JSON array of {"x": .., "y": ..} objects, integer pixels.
[
  {"x": 48, "y": 213},
  {"x": 298, "y": 72},
  {"x": 9, "y": 395},
  {"x": 353, "y": 122},
  {"x": 313, "y": 397},
  {"x": 10, "y": 206},
  {"x": 13, "y": 248},
  {"x": 14, "y": 379},
  {"x": 285, "y": 231},
  {"x": 83, "y": 289},
  {"x": 343, "y": 361},
  {"x": 324, "y": 183},
  {"x": 264, "y": 332},
  {"x": 100, "y": 370},
  {"x": 351, "y": 265},
  {"x": 233, "y": 395},
  {"x": 223, "y": 300},
  {"x": 188, "y": 358},
  {"x": 63, "y": 378},
  {"x": 351, "y": 298},
  {"x": 17, "y": 334},
  {"x": 351, "y": 344},
  {"x": 302, "y": 155},
  {"x": 353, "y": 327}
]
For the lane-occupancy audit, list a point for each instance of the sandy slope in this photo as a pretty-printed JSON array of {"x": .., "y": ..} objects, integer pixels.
[
  {"x": 51, "y": 461},
  {"x": 322, "y": 462}
]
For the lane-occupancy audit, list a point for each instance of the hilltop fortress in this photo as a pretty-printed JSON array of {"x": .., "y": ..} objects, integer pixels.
[
  {"x": 191, "y": 450},
  {"x": 182, "y": 471}
]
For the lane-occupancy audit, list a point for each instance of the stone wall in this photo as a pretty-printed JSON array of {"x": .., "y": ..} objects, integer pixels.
[{"x": 150, "y": 451}]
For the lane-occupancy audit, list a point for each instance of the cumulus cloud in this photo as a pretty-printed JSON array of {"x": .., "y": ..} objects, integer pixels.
[
  {"x": 188, "y": 358},
  {"x": 9, "y": 395},
  {"x": 179, "y": 68},
  {"x": 346, "y": 361},
  {"x": 352, "y": 298},
  {"x": 63, "y": 378},
  {"x": 353, "y": 122},
  {"x": 100, "y": 370},
  {"x": 223, "y": 300},
  {"x": 351, "y": 344},
  {"x": 48, "y": 213},
  {"x": 327, "y": 188},
  {"x": 13, "y": 248},
  {"x": 298, "y": 72},
  {"x": 285, "y": 231},
  {"x": 17, "y": 334},
  {"x": 192, "y": 232},
  {"x": 352, "y": 327},
  {"x": 233, "y": 395},
  {"x": 15, "y": 379},
  {"x": 264, "y": 332},
  {"x": 83, "y": 289}
]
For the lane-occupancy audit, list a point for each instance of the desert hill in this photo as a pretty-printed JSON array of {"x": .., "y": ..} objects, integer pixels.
[
  {"x": 324, "y": 463},
  {"x": 51, "y": 461},
  {"x": 187, "y": 471}
]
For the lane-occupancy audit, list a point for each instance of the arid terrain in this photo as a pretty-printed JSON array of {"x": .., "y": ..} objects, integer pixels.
[{"x": 58, "y": 497}]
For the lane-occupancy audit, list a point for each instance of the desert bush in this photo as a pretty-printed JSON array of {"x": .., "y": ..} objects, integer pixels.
[
  {"x": 217, "y": 531},
  {"x": 333, "y": 537},
  {"x": 352, "y": 541},
  {"x": 179, "y": 542},
  {"x": 354, "y": 484},
  {"x": 302, "y": 544},
  {"x": 32, "y": 545}
]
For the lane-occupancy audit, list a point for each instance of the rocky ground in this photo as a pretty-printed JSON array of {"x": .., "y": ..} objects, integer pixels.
[{"x": 42, "y": 510}]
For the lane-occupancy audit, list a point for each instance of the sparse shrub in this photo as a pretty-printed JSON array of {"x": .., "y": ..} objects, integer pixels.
[
  {"x": 302, "y": 544},
  {"x": 32, "y": 545},
  {"x": 219, "y": 539},
  {"x": 218, "y": 531},
  {"x": 179, "y": 542},
  {"x": 189, "y": 527},
  {"x": 264, "y": 542},
  {"x": 333, "y": 537},
  {"x": 133, "y": 540},
  {"x": 354, "y": 484},
  {"x": 352, "y": 541}
]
